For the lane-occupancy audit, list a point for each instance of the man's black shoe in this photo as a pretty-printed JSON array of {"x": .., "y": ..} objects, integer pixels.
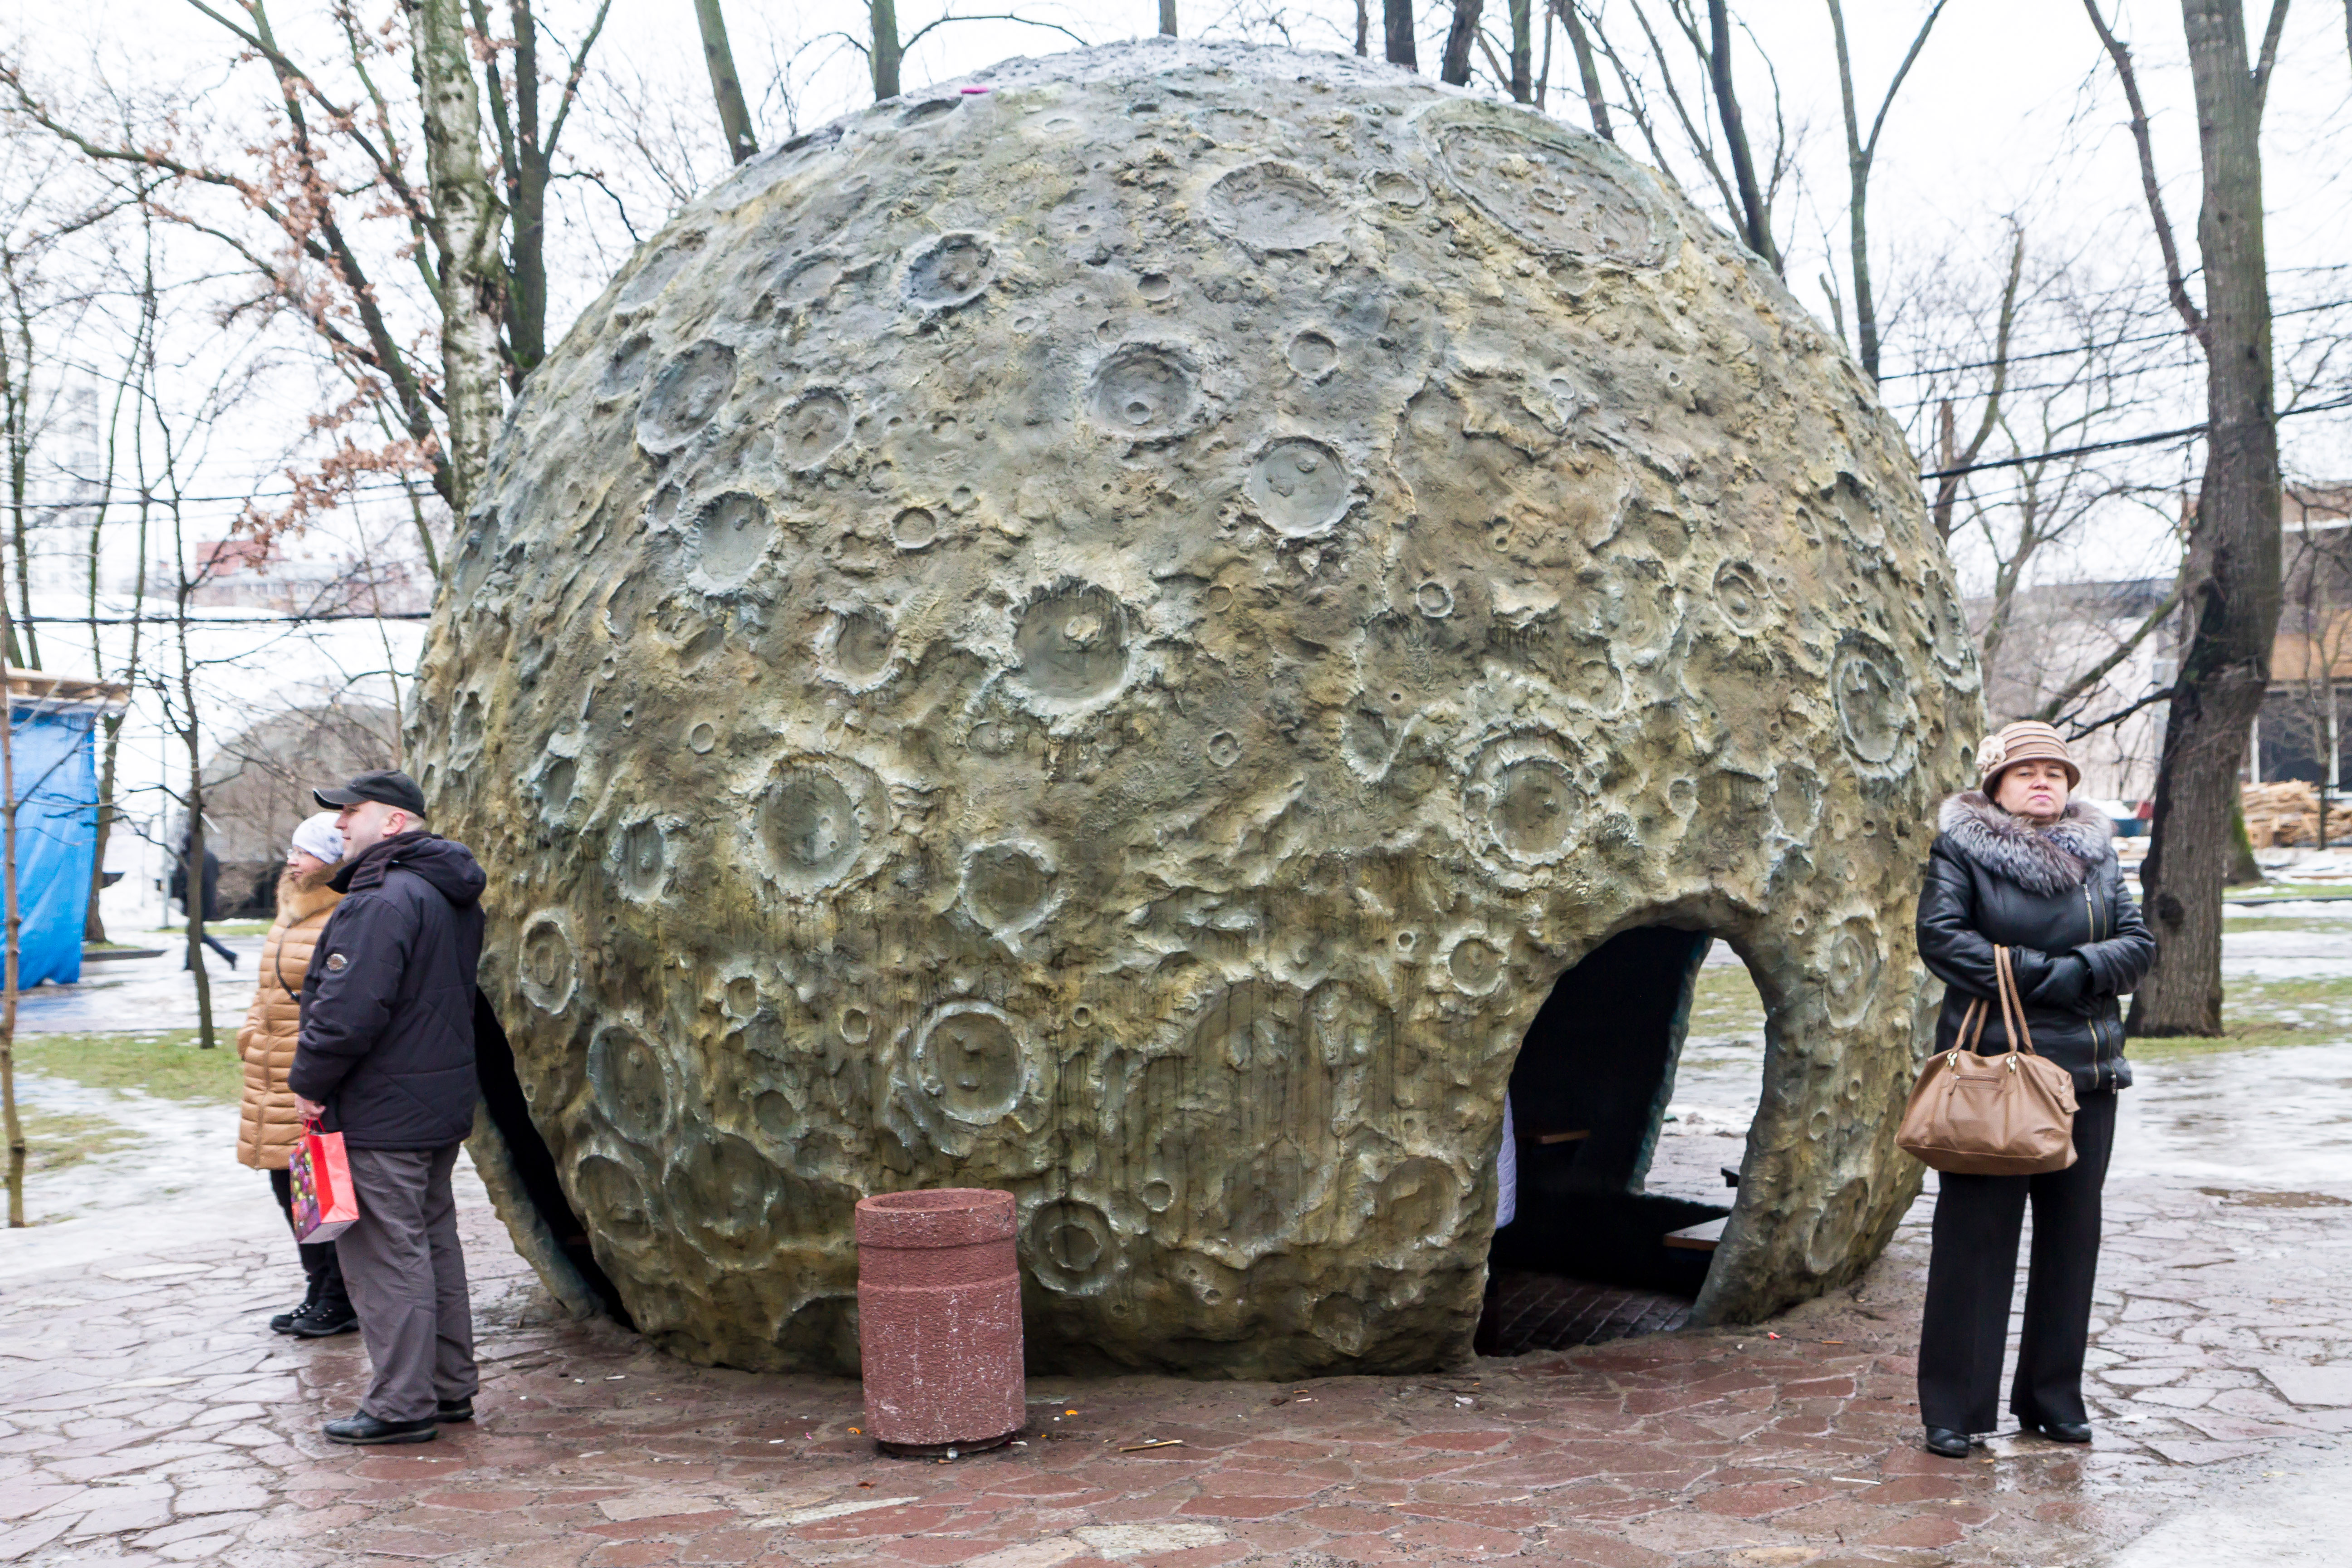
[
  {"x": 454, "y": 1410},
  {"x": 2059, "y": 1431},
  {"x": 283, "y": 1322},
  {"x": 365, "y": 1429},
  {"x": 1951, "y": 1444},
  {"x": 323, "y": 1320}
]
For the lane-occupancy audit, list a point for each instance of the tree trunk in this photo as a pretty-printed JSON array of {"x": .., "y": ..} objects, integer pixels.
[
  {"x": 1588, "y": 72},
  {"x": 11, "y": 1124},
  {"x": 526, "y": 303},
  {"x": 2233, "y": 546},
  {"x": 1168, "y": 20},
  {"x": 1396, "y": 21},
  {"x": 885, "y": 54},
  {"x": 1523, "y": 52},
  {"x": 727, "y": 88},
  {"x": 468, "y": 223},
  {"x": 1453, "y": 67},
  {"x": 1756, "y": 223}
]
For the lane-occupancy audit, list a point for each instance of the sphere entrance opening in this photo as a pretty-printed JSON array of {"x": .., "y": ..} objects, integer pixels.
[
  {"x": 1594, "y": 1252},
  {"x": 535, "y": 1167}
]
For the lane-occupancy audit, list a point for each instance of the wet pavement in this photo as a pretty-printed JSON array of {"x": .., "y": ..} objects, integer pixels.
[{"x": 148, "y": 1415}]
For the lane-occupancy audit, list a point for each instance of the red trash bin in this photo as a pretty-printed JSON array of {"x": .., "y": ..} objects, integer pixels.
[{"x": 938, "y": 1319}]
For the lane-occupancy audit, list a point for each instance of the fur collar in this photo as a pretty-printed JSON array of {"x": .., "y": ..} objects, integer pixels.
[
  {"x": 2044, "y": 860},
  {"x": 300, "y": 897}
]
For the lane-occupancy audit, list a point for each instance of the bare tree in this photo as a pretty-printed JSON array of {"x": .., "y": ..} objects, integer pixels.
[
  {"x": 883, "y": 52},
  {"x": 1168, "y": 19},
  {"x": 1453, "y": 66},
  {"x": 1588, "y": 73},
  {"x": 2232, "y": 583},
  {"x": 1860, "y": 154},
  {"x": 1396, "y": 25},
  {"x": 726, "y": 87},
  {"x": 11, "y": 1123}
]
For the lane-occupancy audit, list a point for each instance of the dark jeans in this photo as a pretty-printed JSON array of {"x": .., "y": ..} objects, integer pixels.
[
  {"x": 320, "y": 1266},
  {"x": 1972, "y": 1271}
]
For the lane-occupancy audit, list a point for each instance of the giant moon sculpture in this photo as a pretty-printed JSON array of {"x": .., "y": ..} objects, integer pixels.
[{"x": 1109, "y": 632}]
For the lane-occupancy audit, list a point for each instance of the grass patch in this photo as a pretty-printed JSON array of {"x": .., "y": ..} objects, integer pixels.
[
  {"x": 168, "y": 1064},
  {"x": 217, "y": 928},
  {"x": 57, "y": 1141},
  {"x": 1726, "y": 1002},
  {"x": 2232, "y": 1037}
]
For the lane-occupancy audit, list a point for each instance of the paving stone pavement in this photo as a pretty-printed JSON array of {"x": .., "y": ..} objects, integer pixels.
[{"x": 147, "y": 1416}]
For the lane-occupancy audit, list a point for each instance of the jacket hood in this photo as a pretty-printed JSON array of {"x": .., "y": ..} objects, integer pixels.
[
  {"x": 302, "y": 896},
  {"x": 449, "y": 866},
  {"x": 2052, "y": 859}
]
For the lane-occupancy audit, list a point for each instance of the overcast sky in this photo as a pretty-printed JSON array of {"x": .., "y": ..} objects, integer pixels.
[{"x": 2012, "y": 111}]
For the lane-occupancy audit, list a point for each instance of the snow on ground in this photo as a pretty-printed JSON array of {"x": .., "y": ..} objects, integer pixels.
[{"x": 123, "y": 995}]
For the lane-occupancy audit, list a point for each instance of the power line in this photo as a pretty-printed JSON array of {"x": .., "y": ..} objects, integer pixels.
[
  {"x": 2085, "y": 347},
  {"x": 2150, "y": 439}
]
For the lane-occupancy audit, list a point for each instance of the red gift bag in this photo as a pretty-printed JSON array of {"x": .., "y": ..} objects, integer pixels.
[{"x": 320, "y": 1174}]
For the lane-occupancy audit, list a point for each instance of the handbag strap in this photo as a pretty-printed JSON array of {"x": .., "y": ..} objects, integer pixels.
[
  {"x": 1974, "y": 1018},
  {"x": 2012, "y": 1005}
]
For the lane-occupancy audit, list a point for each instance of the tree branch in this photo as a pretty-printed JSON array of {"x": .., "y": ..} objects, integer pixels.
[{"x": 2176, "y": 282}]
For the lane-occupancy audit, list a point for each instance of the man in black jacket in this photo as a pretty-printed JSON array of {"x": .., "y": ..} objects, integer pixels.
[{"x": 386, "y": 1058}]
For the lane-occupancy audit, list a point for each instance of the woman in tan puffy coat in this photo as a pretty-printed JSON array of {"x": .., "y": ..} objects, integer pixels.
[{"x": 273, "y": 1026}]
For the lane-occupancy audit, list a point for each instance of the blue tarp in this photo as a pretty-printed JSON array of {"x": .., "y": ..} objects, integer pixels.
[{"x": 56, "y": 837}]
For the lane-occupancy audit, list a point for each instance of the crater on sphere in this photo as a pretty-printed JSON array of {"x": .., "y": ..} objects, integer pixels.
[
  {"x": 809, "y": 280},
  {"x": 655, "y": 274},
  {"x": 684, "y": 394},
  {"x": 861, "y": 645},
  {"x": 643, "y": 856},
  {"x": 1299, "y": 487},
  {"x": 1072, "y": 643},
  {"x": 1273, "y": 206},
  {"x": 951, "y": 270},
  {"x": 969, "y": 1061},
  {"x": 810, "y": 821},
  {"x": 624, "y": 371},
  {"x": 1005, "y": 887},
  {"x": 1143, "y": 390},
  {"x": 813, "y": 428},
  {"x": 732, "y": 538},
  {"x": 1558, "y": 195},
  {"x": 629, "y": 1081}
]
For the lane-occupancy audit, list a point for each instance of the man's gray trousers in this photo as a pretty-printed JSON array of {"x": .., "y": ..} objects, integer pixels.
[{"x": 407, "y": 1280}]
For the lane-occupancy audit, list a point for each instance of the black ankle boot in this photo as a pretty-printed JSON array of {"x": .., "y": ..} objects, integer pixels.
[
  {"x": 284, "y": 1321},
  {"x": 331, "y": 1315}
]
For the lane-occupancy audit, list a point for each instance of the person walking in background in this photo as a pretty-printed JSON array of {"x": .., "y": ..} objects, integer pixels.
[
  {"x": 270, "y": 1124},
  {"x": 386, "y": 1058},
  {"x": 210, "y": 882},
  {"x": 2015, "y": 865}
]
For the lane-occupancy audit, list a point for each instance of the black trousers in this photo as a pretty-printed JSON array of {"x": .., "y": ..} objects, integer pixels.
[
  {"x": 320, "y": 1266},
  {"x": 1972, "y": 1271}
]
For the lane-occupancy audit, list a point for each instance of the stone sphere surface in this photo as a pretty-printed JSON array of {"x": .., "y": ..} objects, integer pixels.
[{"x": 1110, "y": 636}]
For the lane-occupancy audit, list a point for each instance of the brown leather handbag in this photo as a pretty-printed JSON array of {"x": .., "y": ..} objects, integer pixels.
[{"x": 2006, "y": 1115}]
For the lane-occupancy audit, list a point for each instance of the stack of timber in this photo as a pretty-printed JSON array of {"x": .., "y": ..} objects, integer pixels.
[{"x": 2288, "y": 813}]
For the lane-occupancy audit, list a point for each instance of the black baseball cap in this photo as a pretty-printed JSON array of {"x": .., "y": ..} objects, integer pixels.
[{"x": 389, "y": 785}]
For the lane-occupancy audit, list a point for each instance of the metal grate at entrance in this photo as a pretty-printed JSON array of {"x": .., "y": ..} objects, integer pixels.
[{"x": 1529, "y": 1311}]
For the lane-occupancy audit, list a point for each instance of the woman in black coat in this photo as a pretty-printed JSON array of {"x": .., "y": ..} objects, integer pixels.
[{"x": 2016, "y": 865}]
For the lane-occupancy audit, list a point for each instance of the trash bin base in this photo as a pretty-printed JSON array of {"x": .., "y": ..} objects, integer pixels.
[{"x": 941, "y": 1451}]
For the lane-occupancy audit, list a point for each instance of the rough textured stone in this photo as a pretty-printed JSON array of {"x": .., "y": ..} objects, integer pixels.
[{"x": 1111, "y": 637}]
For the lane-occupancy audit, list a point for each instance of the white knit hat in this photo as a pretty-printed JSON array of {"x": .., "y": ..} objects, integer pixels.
[{"x": 319, "y": 836}]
